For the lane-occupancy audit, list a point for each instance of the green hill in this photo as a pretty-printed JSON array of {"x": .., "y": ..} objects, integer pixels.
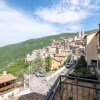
[
  {"x": 11, "y": 53},
  {"x": 91, "y": 31}
]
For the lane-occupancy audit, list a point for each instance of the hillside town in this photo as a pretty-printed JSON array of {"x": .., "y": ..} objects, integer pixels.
[
  {"x": 37, "y": 87},
  {"x": 60, "y": 49},
  {"x": 49, "y": 49}
]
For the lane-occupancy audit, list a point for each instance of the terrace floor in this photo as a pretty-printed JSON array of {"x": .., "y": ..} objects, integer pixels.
[{"x": 77, "y": 92}]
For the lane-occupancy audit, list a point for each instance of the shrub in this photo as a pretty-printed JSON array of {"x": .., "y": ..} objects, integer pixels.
[
  {"x": 70, "y": 98},
  {"x": 96, "y": 98},
  {"x": 81, "y": 63},
  {"x": 55, "y": 69},
  {"x": 68, "y": 59},
  {"x": 48, "y": 63}
]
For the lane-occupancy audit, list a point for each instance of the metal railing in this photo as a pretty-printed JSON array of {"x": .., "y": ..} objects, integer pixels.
[{"x": 73, "y": 88}]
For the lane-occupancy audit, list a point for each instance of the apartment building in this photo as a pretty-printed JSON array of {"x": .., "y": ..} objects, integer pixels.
[{"x": 92, "y": 48}]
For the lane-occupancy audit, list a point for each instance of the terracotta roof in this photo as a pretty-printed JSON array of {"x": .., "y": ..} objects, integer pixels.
[
  {"x": 60, "y": 55},
  {"x": 19, "y": 84},
  {"x": 6, "y": 78},
  {"x": 57, "y": 59},
  {"x": 32, "y": 96},
  {"x": 53, "y": 46}
]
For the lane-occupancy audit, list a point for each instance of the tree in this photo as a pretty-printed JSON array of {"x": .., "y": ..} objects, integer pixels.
[
  {"x": 18, "y": 67},
  {"x": 38, "y": 64},
  {"x": 81, "y": 63},
  {"x": 48, "y": 63},
  {"x": 68, "y": 58}
]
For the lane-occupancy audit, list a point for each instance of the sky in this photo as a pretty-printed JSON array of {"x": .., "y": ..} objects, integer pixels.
[{"x": 21, "y": 20}]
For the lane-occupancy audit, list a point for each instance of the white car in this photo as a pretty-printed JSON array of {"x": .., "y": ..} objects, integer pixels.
[{"x": 39, "y": 74}]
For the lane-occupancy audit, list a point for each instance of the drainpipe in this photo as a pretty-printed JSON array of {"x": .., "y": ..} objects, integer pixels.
[{"x": 99, "y": 35}]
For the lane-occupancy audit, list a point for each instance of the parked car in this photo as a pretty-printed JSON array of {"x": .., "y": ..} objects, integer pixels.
[
  {"x": 72, "y": 62},
  {"x": 39, "y": 74},
  {"x": 68, "y": 65}
]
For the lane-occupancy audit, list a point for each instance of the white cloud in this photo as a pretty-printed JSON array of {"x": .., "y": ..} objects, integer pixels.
[
  {"x": 16, "y": 26},
  {"x": 65, "y": 16},
  {"x": 67, "y": 11},
  {"x": 71, "y": 27}
]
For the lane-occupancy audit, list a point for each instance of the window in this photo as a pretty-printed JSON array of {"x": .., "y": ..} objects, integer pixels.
[
  {"x": 98, "y": 51},
  {"x": 94, "y": 63}
]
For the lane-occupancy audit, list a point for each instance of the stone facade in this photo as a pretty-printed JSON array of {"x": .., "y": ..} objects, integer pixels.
[{"x": 92, "y": 48}]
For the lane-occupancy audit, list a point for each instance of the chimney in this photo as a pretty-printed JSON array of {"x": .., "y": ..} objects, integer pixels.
[
  {"x": 99, "y": 27},
  {"x": 4, "y": 72}
]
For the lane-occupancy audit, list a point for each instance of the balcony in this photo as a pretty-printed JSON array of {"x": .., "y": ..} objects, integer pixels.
[
  {"x": 73, "y": 88},
  {"x": 6, "y": 88}
]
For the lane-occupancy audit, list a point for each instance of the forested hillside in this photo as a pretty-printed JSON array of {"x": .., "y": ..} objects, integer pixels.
[{"x": 10, "y": 53}]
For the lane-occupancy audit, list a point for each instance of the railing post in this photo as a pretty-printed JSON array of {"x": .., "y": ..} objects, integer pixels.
[
  {"x": 60, "y": 92},
  {"x": 60, "y": 82}
]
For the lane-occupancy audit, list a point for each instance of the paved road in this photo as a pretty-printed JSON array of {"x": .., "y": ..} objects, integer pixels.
[
  {"x": 70, "y": 69},
  {"x": 38, "y": 85},
  {"x": 35, "y": 82}
]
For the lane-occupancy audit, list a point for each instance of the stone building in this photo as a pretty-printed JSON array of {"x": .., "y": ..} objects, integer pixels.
[{"x": 92, "y": 48}]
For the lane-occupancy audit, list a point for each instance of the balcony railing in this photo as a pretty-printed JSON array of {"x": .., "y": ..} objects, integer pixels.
[
  {"x": 7, "y": 87},
  {"x": 73, "y": 88}
]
